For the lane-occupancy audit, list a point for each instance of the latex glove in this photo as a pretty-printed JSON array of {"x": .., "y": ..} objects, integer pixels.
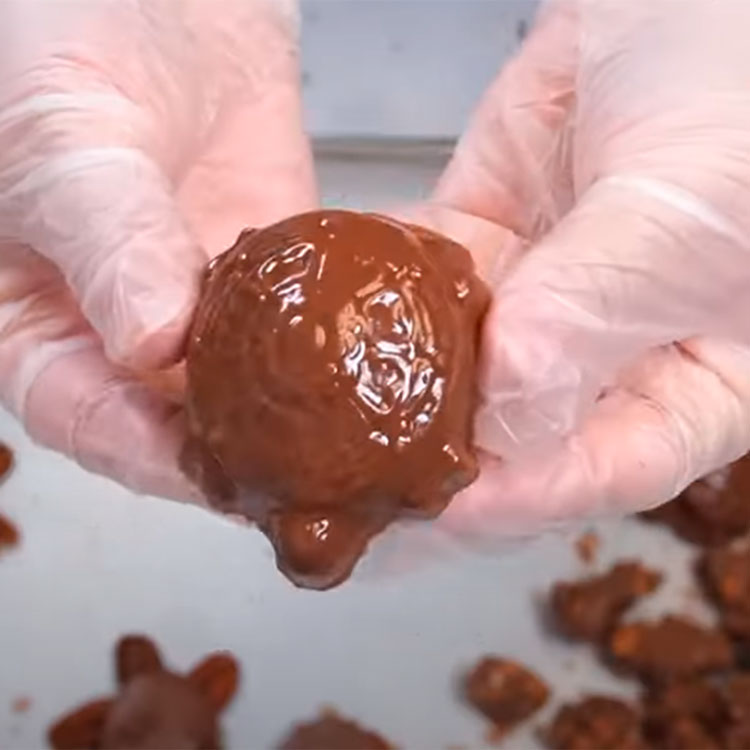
[
  {"x": 136, "y": 139},
  {"x": 616, "y": 366}
]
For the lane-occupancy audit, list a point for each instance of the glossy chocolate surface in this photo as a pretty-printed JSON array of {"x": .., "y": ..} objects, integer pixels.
[{"x": 331, "y": 383}]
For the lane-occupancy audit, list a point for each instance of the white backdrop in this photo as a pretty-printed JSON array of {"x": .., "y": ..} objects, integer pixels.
[{"x": 403, "y": 67}]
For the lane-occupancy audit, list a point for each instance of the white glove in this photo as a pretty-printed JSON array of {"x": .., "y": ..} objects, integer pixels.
[
  {"x": 616, "y": 356},
  {"x": 136, "y": 140}
]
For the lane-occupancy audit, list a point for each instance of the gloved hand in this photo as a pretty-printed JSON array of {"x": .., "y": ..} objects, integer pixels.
[
  {"x": 136, "y": 139},
  {"x": 616, "y": 356}
]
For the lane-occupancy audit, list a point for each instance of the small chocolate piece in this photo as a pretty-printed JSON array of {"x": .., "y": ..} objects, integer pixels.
[
  {"x": 9, "y": 535},
  {"x": 155, "y": 708},
  {"x": 21, "y": 704},
  {"x": 670, "y": 649},
  {"x": 684, "y": 715},
  {"x": 587, "y": 547},
  {"x": 589, "y": 609},
  {"x": 332, "y": 732},
  {"x": 6, "y": 460},
  {"x": 505, "y": 692},
  {"x": 331, "y": 383},
  {"x": 713, "y": 510},
  {"x": 597, "y": 722},
  {"x": 725, "y": 572}
]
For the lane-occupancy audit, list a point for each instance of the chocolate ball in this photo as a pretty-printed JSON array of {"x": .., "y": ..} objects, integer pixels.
[{"x": 331, "y": 382}]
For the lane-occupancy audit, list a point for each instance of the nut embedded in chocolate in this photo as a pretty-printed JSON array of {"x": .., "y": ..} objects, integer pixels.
[{"x": 331, "y": 382}]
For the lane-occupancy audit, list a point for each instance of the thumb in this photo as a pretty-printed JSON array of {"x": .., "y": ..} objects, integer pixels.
[{"x": 639, "y": 263}]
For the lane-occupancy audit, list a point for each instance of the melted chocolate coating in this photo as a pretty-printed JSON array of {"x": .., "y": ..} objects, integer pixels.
[{"x": 331, "y": 383}]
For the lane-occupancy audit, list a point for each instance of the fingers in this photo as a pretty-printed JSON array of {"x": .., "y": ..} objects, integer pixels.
[
  {"x": 94, "y": 202},
  {"x": 55, "y": 377},
  {"x": 256, "y": 166},
  {"x": 256, "y": 169},
  {"x": 509, "y": 166},
  {"x": 494, "y": 248},
  {"x": 682, "y": 412},
  {"x": 635, "y": 265},
  {"x": 109, "y": 423},
  {"x": 92, "y": 151}
]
